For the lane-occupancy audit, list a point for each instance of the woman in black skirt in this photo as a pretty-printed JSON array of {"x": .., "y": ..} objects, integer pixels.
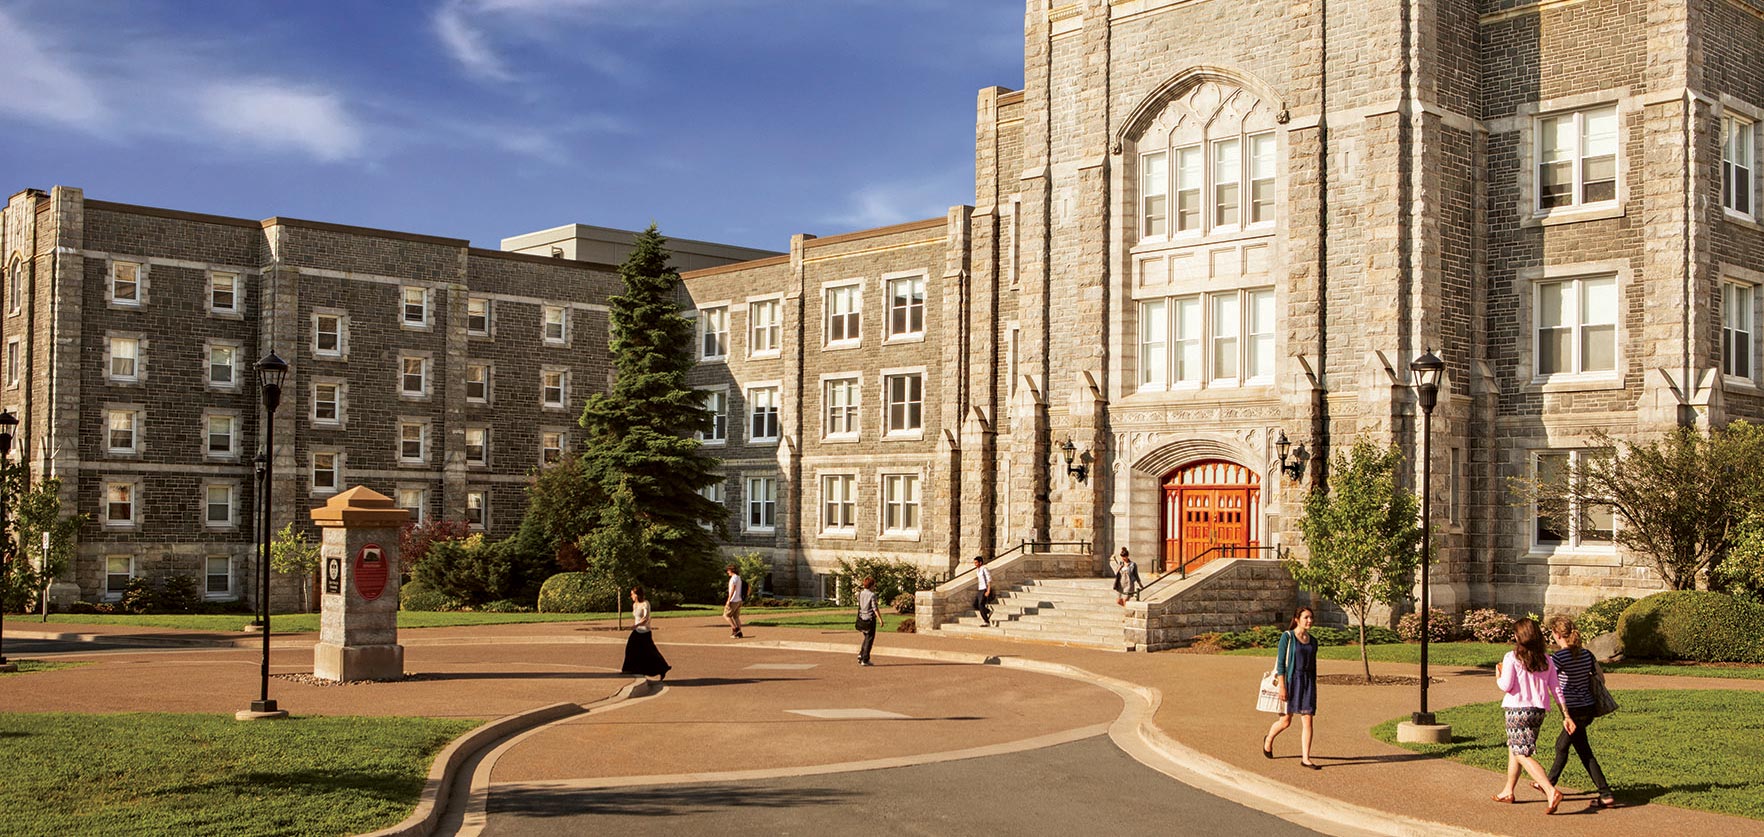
[{"x": 641, "y": 655}]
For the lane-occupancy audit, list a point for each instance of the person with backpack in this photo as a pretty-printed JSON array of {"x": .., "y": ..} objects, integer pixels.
[
  {"x": 867, "y": 618},
  {"x": 732, "y": 605}
]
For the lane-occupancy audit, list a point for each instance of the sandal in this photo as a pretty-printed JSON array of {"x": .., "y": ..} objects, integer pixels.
[
  {"x": 1555, "y": 802},
  {"x": 1505, "y": 799}
]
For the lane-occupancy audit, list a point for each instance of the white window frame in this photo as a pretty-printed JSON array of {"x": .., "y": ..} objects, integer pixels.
[
  {"x": 1154, "y": 344},
  {"x": 563, "y": 388},
  {"x": 137, "y": 419},
  {"x": 903, "y": 513},
  {"x": 422, "y": 441},
  {"x": 762, "y": 505},
  {"x": 485, "y": 302},
  {"x": 14, "y": 362},
  {"x": 484, "y": 397},
  {"x": 339, "y": 402},
  {"x": 342, "y": 348},
  {"x": 419, "y": 511},
  {"x": 715, "y": 492},
  {"x": 111, "y": 594},
  {"x": 482, "y": 496},
  {"x": 110, "y": 356},
  {"x": 839, "y": 494},
  {"x": 850, "y": 316},
  {"x": 915, "y": 279},
  {"x": 1574, "y": 541},
  {"x": 905, "y": 430},
  {"x": 765, "y": 335},
  {"x": 1193, "y": 180},
  {"x": 233, "y": 370},
  {"x": 776, "y": 397},
  {"x": 1739, "y": 315},
  {"x": 425, "y": 307},
  {"x": 404, "y": 374},
  {"x": 1577, "y": 158},
  {"x": 1193, "y": 340},
  {"x": 140, "y": 283},
  {"x": 231, "y": 521},
  {"x": 336, "y": 469},
  {"x": 133, "y": 485},
  {"x": 563, "y": 445},
  {"x": 214, "y": 277},
  {"x": 233, "y": 425},
  {"x": 208, "y": 575},
  {"x": 716, "y": 401},
  {"x": 842, "y": 421},
  {"x": 1739, "y": 166},
  {"x": 1576, "y": 325},
  {"x": 483, "y": 433},
  {"x": 15, "y": 284},
  {"x": 1154, "y": 194},
  {"x": 713, "y": 332},
  {"x": 562, "y": 323}
]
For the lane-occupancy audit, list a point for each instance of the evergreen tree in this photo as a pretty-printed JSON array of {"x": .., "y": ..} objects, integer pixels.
[{"x": 639, "y": 443}]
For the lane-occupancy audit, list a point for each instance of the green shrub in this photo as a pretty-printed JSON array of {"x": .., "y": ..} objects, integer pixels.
[
  {"x": 1488, "y": 625},
  {"x": 475, "y": 571},
  {"x": 904, "y": 603},
  {"x": 893, "y": 578},
  {"x": 1375, "y": 635},
  {"x": 1441, "y": 627},
  {"x": 1693, "y": 625},
  {"x": 907, "y": 626},
  {"x": 666, "y": 600},
  {"x": 417, "y": 596},
  {"x": 504, "y": 606},
  {"x": 581, "y": 592},
  {"x": 83, "y": 608},
  {"x": 163, "y": 594},
  {"x": 1601, "y": 618}
]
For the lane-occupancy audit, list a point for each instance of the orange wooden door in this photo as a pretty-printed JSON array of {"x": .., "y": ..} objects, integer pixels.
[{"x": 1206, "y": 506}]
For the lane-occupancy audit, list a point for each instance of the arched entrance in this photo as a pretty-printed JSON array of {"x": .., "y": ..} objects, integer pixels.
[{"x": 1208, "y": 504}]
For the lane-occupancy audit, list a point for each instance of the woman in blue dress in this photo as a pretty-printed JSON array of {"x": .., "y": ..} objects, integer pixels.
[{"x": 1295, "y": 672}]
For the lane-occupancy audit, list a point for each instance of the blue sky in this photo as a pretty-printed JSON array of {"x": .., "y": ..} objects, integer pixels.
[{"x": 740, "y": 121}]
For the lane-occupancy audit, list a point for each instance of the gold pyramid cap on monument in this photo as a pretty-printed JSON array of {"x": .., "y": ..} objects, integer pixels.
[{"x": 360, "y": 506}]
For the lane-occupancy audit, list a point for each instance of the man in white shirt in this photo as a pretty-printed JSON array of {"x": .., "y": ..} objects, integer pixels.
[
  {"x": 983, "y": 591},
  {"x": 732, "y": 605}
]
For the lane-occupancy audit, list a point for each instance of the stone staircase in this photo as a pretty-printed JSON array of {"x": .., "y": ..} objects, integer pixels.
[{"x": 1065, "y": 611}]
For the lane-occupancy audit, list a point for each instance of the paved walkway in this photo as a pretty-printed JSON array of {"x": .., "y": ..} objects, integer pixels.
[{"x": 727, "y": 704}]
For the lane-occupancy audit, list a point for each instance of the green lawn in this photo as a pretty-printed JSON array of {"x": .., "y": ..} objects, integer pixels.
[
  {"x": 1693, "y": 749},
  {"x": 838, "y": 619},
  {"x": 28, "y": 666},
  {"x": 210, "y": 774},
  {"x": 1460, "y": 654},
  {"x": 305, "y": 622},
  {"x": 1729, "y": 670}
]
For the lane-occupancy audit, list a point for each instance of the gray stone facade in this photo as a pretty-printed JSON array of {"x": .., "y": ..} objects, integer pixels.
[{"x": 1370, "y": 180}]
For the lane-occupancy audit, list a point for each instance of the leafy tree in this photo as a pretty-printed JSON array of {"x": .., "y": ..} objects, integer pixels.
[
  {"x": 619, "y": 548},
  {"x": 640, "y": 452},
  {"x": 1363, "y": 534},
  {"x": 34, "y": 510},
  {"x": 416, "y": 539},
  {"x": 1678, "y": 500},
  {"x": 563, "y": 506},
  {"x": 293, "y": 553},
  {"x": 1742, "y": 571}
]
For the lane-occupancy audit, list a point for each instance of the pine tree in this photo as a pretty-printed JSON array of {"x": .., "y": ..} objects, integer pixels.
[{"x": 639, "y": 442}]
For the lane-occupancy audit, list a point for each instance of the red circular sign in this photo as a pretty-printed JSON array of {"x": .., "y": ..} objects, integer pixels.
[{"x": 370, "y": 571}]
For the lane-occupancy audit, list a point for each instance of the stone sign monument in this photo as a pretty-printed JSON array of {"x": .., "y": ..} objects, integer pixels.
[{"x": 358, "y": 629}]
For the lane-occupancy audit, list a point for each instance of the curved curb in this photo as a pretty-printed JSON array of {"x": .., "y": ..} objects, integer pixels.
[{"x": 437, "y": 789}]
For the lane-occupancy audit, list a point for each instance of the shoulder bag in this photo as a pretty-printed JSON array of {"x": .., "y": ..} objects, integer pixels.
[
  {"x": 1603, "y": 703},
  {"x": 1268, "y": 698}
]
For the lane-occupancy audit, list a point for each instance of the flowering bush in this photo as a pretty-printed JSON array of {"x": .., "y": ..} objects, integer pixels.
[
  {"x": 1488, "y": 625},
  {"x": 1441, "y": 627}
]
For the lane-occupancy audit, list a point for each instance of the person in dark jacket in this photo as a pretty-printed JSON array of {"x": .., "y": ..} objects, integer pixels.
[{"x": 1126, "y": 578}]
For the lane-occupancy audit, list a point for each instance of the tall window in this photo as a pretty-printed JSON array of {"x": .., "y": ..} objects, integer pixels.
[
  {"x": 1561, "y": 521},
  {"x": 554, "y": 387},
  {"x": 762, "y": 504},
  {"x": 1219, "y": 338},
  {"x": 477, "y": 381},
  {"x": 15, "y": 284},
  {"x": 713, "y": 493},
  {"x": 122, "y": 428},
  {"x": 125, "y": 283},
  {"x": 119, "y": 504},
  {"x": 119, "y": 570},
  {"x": 716, "y": 401},
  {"x": 713, "y": 331},
  {"x": 223, "y": 293},
  {"x": 1577, "y": 326},
  {"x": 217, "y": 505},
  {"x": 1227, "y": 183},
  {"x": 845, "y": 310},
  {"x": 1154, "y": 343},
  {"x": 413, "y": 441},
  {"x": 762, "y": 414},
  {"x": 900, "y": 504},
  {"x": 1259, "y": 348},
  {"x": 906, "y": 306},
  {"x": 222, "y": 436},
  {"x": 1225, "y": 327},
  {"x": 415, "y": 501},
  {"x": 477, "y": 446},
  {"x": 1156, "y": 189},
  {"x": 551, "y": 447},
  {"x": 839, "y": 503},
  {"x": 223, "y": 366},
  {"x": 1577, "y": 159},
  {"x": 906, "y": 403},
  {"x": 1736, "y": 329},
  {"x": 764, "y": 319},
  {"x": 1190, "y": 181},
  {"x": 477, "y": 503},
  {"x": 478, "y": 316},
  {"x": 218, "y": 576},
  {"x": 557, "y": 321},
  {"x": 414, "y": 375},
  {"x": 1188, "y": 336},
  {"x": 327, "y": 335},
  {"x": 842, "y": 407},
  {"x": 1737, "y": 146},
  {"x": 326, "y": 476},
  {"x": 125, "y": 359},
  {"x": 1261, "y": 171},
  {"x": 13, "y": 361},
  {"x": 416, "y": 306}
]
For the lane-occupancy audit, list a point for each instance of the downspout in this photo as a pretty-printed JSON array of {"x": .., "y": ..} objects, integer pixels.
[
  {"x": 1320, "y": 392},
  {"x": 1687, "y": 412}
]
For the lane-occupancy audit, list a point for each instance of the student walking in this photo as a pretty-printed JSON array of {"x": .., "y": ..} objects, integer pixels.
[
  {"x": 1295, "y": 671},
  {"x": 732, "y": 605},
  {"x": 641, "y": 655},
  {"x": 1126, "y": 578},
  {"x": 1577, "y": 668},
  {"x": 983, "y": 591},
  {"x": 867, "y": 618},
  {"x": 1528, "y": 676}
]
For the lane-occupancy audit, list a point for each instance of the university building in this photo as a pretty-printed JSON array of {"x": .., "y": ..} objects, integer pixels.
[{"x": 1207, "y": 225}]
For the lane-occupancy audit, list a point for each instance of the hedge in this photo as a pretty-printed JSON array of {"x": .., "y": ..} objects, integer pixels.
[
  {"x": 415, "y": 595},
  {"x": 1601, "y": 618},
  {"x": 1693, "y": 625},
  {"x": 578, "y": 593}
]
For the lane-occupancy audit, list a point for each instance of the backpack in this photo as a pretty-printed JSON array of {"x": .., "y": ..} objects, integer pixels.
[{"x": 742, "y": 588}]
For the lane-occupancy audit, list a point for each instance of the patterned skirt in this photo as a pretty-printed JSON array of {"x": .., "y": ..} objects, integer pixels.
[{"x": 1522, "y": 726}]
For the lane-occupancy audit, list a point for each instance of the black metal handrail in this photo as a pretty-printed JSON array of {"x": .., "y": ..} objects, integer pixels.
[
  {"x": 1224, "y": 550},
  {"x": 1025, "y": 547}
]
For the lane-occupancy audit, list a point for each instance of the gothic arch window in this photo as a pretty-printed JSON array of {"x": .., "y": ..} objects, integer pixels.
[
  {"x": 1207, "y": 163},
  {"x": 15, "y": 284}
]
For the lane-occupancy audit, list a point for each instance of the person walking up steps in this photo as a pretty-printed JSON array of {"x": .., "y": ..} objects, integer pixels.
[
  {"x": 867, "y": 618},
  {"x": 1528, "y": 676},
  {"x": 1577, "y": 669},
  {"x": 1295, "y": 670},
  {"x": 732, "y": 605},
  {"x": 641, "y": 655},
  {"x": 983, "y": 591}
]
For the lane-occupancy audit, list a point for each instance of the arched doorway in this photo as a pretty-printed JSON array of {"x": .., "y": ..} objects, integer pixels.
[{"x": 1209, "y": 504}]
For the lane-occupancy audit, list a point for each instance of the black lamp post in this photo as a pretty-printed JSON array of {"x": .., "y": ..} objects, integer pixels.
[
  {"x": 1427, "y": 368},
  {"x": 272, "y": 372},
  {"x": 1283, "y": 447},
  {"x": 8, "y": 422}
]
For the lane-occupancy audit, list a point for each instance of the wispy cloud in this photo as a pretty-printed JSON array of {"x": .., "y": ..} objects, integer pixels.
[
  {"x": 467, "y": 44},
  {"x": 267, "y": 113},
  {"x": 896, "y": 201},
  {"x": 476, "y": 33},
  {"x": 41, "y": 86}
]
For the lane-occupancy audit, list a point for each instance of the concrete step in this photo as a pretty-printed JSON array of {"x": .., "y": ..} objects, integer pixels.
[
  {"x": 1098, "y": 608},
  {"x": 1075, "y": 583},
  {"x": 1116, "y": 643}
]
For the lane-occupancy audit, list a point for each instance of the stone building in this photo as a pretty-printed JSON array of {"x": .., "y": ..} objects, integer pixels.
[
  {"x": 437, "y": 373},
  {"x": 1203, "y": 225}
]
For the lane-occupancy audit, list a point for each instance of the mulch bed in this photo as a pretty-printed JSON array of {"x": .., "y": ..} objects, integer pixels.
[
  {"x": 1377, "y": 680},
  {"x": 307, "y": 679}
]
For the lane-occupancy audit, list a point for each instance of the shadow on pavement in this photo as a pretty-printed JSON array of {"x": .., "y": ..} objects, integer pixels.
[
  {"x": 731, "y": 681},
  {"x": 518, "y": 675},
  {"x": 672, "y": 800}
]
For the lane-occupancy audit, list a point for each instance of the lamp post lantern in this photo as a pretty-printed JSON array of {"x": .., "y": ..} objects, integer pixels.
[
  {"x": 272, "y": 373},
  {"x": 1427, "y": 368},
  {"x": 8, "y": 423}
]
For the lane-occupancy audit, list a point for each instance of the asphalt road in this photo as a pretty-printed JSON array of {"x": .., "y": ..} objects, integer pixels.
[
  {"x": 1086, "y": 787},
  {"x": 21, "y": 648}
]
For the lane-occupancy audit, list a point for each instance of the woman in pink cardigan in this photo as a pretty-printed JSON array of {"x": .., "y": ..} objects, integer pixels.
[{"x": 1528, "y": 676}]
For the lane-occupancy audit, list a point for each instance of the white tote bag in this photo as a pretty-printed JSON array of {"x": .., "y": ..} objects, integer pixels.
[{"x": 1268, "y": 700}]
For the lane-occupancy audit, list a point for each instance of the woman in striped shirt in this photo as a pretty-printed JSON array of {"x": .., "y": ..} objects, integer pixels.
[{"x": 1576, "y": 668}]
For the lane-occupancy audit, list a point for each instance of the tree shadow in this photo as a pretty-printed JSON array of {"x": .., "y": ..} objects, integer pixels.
[
  {"x": 1388, "y": 758},
  {"x": 665, "y": 801},
  {"x": 389, "y": 786},
  {"x": 694, "y": 682},
  {"x": 514, "y": 675},
  {"x": 1642, "y": 794}
]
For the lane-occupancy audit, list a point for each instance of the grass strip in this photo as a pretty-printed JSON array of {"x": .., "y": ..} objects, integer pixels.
[
  {"x": 293, "y": 623},
  {"x": 838, "y": 619},
  {"x": 209, "y": 774},
  {"x": 1462, "y": 654},
  {"x": 1701, "y": 749},
  {"x": 28, "y": 666}
]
